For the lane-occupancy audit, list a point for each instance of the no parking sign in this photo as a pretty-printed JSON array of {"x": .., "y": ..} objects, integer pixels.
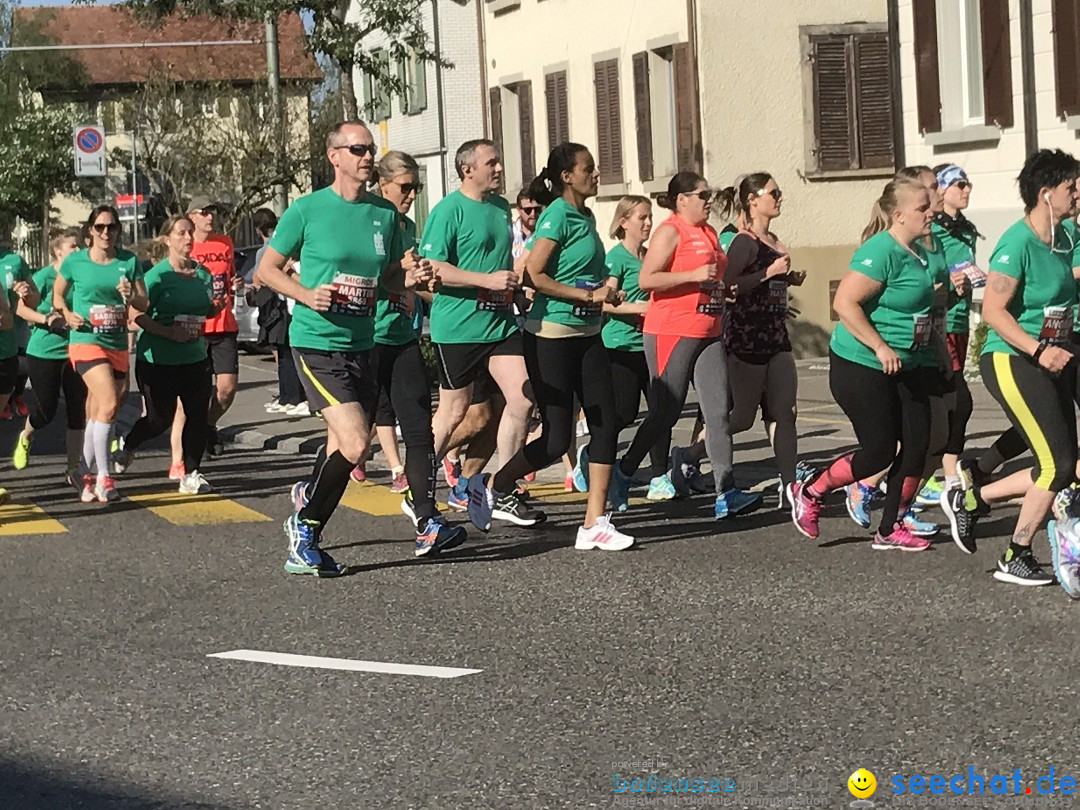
[{"x": 89, "y": 151}]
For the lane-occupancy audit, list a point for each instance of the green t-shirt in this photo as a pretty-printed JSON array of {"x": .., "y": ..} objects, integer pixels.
[
  {"x": 577, "y": 261},
  {"x": 347, "y": 243},
  {"x": 395, "y": 312},
  {"x": 476, "y": 236},
  {"x": 623, "y": 332},
  {"x": 958, "y": 251},
  {"x": 94, "y": 296},
  {"x": 1073, "y": 232},
  {"x": 1045, "y": 292},
  {"x": 900, "y": 310},
  {"x": 727, "y": 236},
  {"x": 176, "y": 297},
  {"x": 43, "y": 343},
  {"x": 12, "y": 269}
]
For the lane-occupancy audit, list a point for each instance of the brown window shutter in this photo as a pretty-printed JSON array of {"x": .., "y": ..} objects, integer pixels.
[
  {"x": 687, "y": 125},
  {"x": 835, "y": 138},
  {"x": 525, "y": 123},
  {"x": 495, "y": 96},
  {"x": 563, "y": 131},
  {"x": 615, "y": 171},
  {"x": 643, "y": 115},
  {"x": 608, "y": 130},
  {"x": 873, "y": 107},
  {"x": 997, "y": 62},
  {"x": 927, "y": 79},
  {"x": 555, "y": 101},
  {"x": 1067, "y": 55},
  {"x": 603, "y": 129}
]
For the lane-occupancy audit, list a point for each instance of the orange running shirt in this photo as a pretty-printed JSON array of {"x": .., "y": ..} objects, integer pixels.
[
  {"x": 693, "y": 310},
  {"x": 216, "y": 255}
]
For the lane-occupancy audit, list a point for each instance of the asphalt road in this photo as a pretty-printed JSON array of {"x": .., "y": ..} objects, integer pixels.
[{"x": 735, "y": 651}]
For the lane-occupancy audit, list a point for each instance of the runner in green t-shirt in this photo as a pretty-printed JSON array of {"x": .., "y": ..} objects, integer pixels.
[
  {"x": 467, "y": 237},
  {"x": 563, "y": 348},
  {"x": 171, "y": 355},
  {"x": 348, "y": 242},
  {"x": 95, "y": 290},
  {"x": 49, "y": 369}
]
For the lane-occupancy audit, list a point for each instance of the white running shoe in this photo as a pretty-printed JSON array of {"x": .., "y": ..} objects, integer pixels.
[
  {"x": 602, "y": 535},
  {"x": 298, "y": 410},
  {"x": 194, "y": 484}
]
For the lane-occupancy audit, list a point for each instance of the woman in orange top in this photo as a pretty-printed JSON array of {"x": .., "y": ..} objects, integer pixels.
[{"x": 683, "y": 271}]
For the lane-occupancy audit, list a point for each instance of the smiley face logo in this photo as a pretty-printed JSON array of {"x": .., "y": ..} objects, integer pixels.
[{"x": 862, "y": 784}]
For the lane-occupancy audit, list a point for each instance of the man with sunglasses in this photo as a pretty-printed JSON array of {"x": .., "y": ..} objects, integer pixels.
[
  {"x": 528, "y": 211},
  {"x": 348, "y": 242},
  {"x": 216, "y": 253}
]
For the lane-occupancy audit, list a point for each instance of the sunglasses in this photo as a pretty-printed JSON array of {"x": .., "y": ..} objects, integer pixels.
[
  {"x": 102, "y": 228},
  {"x": 205, "y": 212},
  {"x": 775, "y": 193},
  {"x": 962, "y": 184},
  {"x": 530, "y": 209},
  {"x": 409, "y": 188},
  {"x": 360, "y": 149},
  {"x": 704, "y": 195}
]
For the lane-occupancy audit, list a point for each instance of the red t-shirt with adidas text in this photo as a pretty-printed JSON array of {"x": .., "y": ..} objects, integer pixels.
[{"x": 216, "y": 255}]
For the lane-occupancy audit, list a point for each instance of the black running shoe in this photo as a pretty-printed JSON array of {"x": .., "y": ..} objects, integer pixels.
[
  {"x": 971, "y": 477},
  {"x": 961, "y": 520},
  {"x": 214, "y": 445},
  {"x": 1021, "y": 569},
  {"x": 511, "y": 508}
]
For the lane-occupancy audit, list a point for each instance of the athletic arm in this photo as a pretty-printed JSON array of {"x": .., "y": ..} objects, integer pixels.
[
  {"x": 997, "y": 294},
  {"x": 451, "y": 276},
  {"x": 272, "y": 272},
  {"x": 538, "y": 278},
  {"x": 30, "y": 314},
  {"x": 855, "y": 289},
  {"x": 655, "y": 276}
]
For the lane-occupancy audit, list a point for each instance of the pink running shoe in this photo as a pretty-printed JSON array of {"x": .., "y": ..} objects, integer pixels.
[
  {"x": 177, "y": 472},
  {"x": 105, "y": 490},
  {"x": 359, "y": 472},
  {"x": 451, "y": 471},
  {"x": 86, "y": 494},
  {"x": 568, "y": 482},
  {"x": 900, "y": 539},
  {"x": 804, "y": 510},
  {"x": 399, "y": 483}
]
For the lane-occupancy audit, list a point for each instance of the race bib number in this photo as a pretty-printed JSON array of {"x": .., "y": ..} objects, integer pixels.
[
  {"x": 921, "y": 329},
  {"x": 494, "y": 300},
  {"x": 778, "y": 295},
  {"x": 975, "y": 275},
  {"x": 192, "y": 324},
  {"x": 107, "y": 319},
  {"x": 219, "y": 285},
  {"x": 1056, "y": 324},
  {"x": 353, "y": 295},
  {"x": 713, "y": 304},
  {"x": 400, "y": 303},
  {"x": 583, "y": 309}
]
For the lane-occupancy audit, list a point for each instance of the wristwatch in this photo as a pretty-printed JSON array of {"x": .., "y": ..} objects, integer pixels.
[{"x": 1038, "y": 352}]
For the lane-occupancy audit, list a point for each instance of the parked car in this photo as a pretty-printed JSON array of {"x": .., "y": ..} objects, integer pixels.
[{"x": 247, "y": 316}]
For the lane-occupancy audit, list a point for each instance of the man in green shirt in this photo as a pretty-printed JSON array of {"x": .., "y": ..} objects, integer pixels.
[
  {"x": 468, "y": 239},
  {"x": 347, "y": 242}
]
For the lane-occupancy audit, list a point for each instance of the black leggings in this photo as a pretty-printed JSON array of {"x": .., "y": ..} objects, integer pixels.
[
  {"x": 630, "y": 378},
  {"x": 559, "y": 369},
  {"x": 403, "y": 383},
  {"x": 161, "y": 386},
  {"x": 959, "y": 415},
  {"x": 47, "y": 379},
  {"x": 1040, "y": 408}
]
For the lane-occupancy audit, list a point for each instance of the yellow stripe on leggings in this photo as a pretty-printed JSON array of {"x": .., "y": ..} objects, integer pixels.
[
  {"x": 27, "y": 518},
  {"x": 197, "y": 510},
  {"x": 1028, "y": 424},
  {"x": 318, "y": 385}
]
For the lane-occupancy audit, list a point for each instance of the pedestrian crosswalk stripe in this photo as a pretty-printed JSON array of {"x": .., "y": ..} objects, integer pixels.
[
  {"x": 373, "y": 499},
  {"x": 196, "y": 510},
  {"x": 27, "y": 518}
]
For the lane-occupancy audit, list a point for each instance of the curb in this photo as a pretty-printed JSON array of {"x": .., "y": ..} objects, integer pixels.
[{"x": 252, "y": 439}]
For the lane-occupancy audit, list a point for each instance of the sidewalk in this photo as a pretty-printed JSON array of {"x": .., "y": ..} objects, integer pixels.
[{"x": 823, "y": 429}]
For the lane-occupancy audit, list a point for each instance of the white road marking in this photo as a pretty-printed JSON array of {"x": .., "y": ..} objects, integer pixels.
[{"x": 317, "y": 662}]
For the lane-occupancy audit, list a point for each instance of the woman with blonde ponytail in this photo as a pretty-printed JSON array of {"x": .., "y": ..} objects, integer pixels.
[{"x": 882, "y": 365}]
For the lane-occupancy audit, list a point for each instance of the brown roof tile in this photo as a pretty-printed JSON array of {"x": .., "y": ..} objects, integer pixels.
[{"x": 85, "y": 25}]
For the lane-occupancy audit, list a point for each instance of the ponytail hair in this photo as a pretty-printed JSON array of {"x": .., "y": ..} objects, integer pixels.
[
  {"x": 681, "y": 183},
  {"x": 733, "y": 202},
  {"x": 885, "y": 206},
  {"x": 624, "y": 209},
  {"x": 548, "y": 185}
]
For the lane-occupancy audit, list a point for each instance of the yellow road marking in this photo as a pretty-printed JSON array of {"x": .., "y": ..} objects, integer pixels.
[
  {"x": 197, "y": 510},
  {"x": 27, "y": 518},
  {"x": 374, "y": 499}
]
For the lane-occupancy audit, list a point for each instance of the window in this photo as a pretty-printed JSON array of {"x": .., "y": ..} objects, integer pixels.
[
  {"x": 847, "y": 98},
  {"x": 376, "y": 96},
  {"x": 666, "y": 112},
  {"x": 512, "y": 131},
  {"x": 420, "y": 205},
  {"x": 1067, "y": 56},
  {"x": 558, "y": 111},
  {"x": 412, "y": 72},
  {"x": 963, "y": 70},
  {"x": 207, "y": 104},
  {"x": 608, "y": 121}
]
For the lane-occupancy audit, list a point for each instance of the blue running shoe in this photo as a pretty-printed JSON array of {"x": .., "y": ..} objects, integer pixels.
[
  {"x": 619, "y": 490},
  {"x": 298, "y": 495},
  {"x": 1065, "y": 554},
  {"x": 804, "y": 471},
  {"x": 917, "y": 527},
  {"x": 458, "y": 497},
  {"x": 930, "y": 494},
  {"x": 735, "y": 502},
  {"x": 305, "y": 557},
  {"x": 661, "y": 488},
  {"x": 581, "y": 469},
  {"x": 680, "y": 474},
  {"x": 858, "y": 498},
  {"x": 481, "y": 501},
  {"x": 436, "y": 536}
]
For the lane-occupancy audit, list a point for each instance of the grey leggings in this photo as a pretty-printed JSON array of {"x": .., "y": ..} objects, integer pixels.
[{"x": 673, "y": 362}]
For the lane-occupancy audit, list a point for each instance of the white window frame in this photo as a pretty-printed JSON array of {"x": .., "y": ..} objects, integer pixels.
[
  {"x": 665, "y": 143},
  {"x": 960, "y": 64}
]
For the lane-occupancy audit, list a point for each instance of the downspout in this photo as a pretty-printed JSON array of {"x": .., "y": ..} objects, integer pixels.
[
  {"x": 439, "y": 94},
  {"x": 482, "y": 51},
  {"x": 692, "y": 35},
  {"x": 1027, "y": 82},
  {"x": 895, "y": 84}
]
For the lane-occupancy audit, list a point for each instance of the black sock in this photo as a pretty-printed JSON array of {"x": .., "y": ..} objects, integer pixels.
[
  {"x": 420, "y": 473},
  {"x": 1017, "y": 549},
  {"x": 326, "y": 491},
  {"x": 320, "y": 459}
]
